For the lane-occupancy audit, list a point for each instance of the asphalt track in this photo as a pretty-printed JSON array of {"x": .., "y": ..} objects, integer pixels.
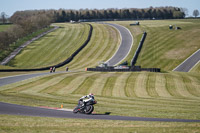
[
  {"x": 189, "y": 63},
  {"x": 13, "y": 79},
  {"x": 13, "y": 109},
  {"x": 125, "y": 46}
]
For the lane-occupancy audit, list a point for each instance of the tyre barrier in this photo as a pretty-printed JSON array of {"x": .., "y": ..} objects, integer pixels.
[
  {"x": 133, "y": 61},
  {"x": 68, "y": 60},
  {"x": 131, "y": 69}
]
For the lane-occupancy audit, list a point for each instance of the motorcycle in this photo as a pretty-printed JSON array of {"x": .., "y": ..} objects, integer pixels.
[{"x": 87, "y": 109}]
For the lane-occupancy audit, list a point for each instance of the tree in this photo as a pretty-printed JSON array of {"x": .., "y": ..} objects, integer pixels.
[
  {"x": 185, "y": 10},
  {"x": 196, "y": 13},
  {"x": 3, "y": 17},
  {"x": 63, "y": 16}
]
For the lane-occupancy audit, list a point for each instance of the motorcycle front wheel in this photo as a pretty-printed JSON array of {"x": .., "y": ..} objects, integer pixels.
[{"x": 75, "y": 110}]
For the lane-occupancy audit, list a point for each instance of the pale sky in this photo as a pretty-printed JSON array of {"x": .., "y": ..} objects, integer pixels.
[{"x": 11, "y": 6}]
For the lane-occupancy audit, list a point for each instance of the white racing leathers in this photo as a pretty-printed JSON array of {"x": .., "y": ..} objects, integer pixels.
[{"x": 86, "y": 98}]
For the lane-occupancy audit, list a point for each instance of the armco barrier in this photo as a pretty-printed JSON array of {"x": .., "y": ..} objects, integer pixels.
[
  {"x": 133, "y": 61},
  {"x": 58, "y": 65},
  {"x": 135, "y": 69}
]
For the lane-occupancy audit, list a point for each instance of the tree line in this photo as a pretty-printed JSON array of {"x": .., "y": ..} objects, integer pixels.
[
  {"x": 112, "y": 13},
  {"x": 63, "y": 15},
  {"x": 29, "y": 21}
]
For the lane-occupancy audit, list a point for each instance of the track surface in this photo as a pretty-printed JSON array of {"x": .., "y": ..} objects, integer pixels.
[
  {"x": 13, "y": 109},
  {"x": 125, "y": 46},
  {"x": 189, "y": 63},
  {"x": 13, "y": 79}
]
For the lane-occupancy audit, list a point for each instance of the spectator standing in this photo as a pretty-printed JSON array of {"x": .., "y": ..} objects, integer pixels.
[
  {"x": 54, "y": 69},
  {"x": 51, "y": 69}
]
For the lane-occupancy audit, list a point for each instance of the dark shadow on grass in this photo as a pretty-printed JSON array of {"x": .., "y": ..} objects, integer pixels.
[
  {"x": 164, "y": 72},
  {"x": 47, "y": 36}
]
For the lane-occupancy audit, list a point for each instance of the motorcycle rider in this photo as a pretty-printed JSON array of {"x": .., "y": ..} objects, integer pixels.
[{"x": 84, "y": 99}]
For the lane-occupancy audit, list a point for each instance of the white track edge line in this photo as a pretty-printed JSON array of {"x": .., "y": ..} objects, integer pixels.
[{"x": 194, "y": 65}]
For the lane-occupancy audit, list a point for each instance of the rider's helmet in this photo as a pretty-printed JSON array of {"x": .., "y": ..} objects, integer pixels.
[{"x": 91, "y": 94}]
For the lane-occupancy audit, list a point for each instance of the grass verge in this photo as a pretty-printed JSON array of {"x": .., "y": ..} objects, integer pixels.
[{"x": 17, "y": 124}]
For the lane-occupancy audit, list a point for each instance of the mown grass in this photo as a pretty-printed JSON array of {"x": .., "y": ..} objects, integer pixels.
[
  {"x": 59, "y": 45},
  {"x": 142, "y": 94},
  {"x": 53, "y": 48},
  {"x": 4, "y": 27},
  {"x": 162, "y": 95},
  {"x": 17, "y": 124},
  {"x": 103, "y": 44},
  {"x": 5, "y": 52},
  {"x": 166, "y": 49}
]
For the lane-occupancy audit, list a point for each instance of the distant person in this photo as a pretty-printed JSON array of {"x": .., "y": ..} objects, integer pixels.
[
  {"x": 54, "y": 69},
  {"x": 51, "y": 69},
  {"x": 67, "y": 68}
]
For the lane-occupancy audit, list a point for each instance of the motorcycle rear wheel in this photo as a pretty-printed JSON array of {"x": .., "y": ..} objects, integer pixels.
[{"x": 89, "y": 109}]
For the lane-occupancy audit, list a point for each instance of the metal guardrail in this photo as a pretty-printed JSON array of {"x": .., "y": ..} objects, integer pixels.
[
  {"x": 131, "y": 69},
  {"x": 133, "y": 61}
]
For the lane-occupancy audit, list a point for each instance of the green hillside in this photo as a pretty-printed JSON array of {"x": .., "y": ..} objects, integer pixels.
[
  {"x": 142, "y": 94},
  {"x": 60, "y": 44},
  {"x": 164, "y": 48},
  {"x": 53, "y": 48},
  {"x": 164, "y": 95},
  {"x": 103, "y": 44}
]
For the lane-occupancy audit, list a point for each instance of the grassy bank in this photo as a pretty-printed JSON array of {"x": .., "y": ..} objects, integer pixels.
[
  {"x": 52, "y": 48},
  {"x": 18, "y": 43},
  {"x": 140, "y": 94},
  {"x": 17, "y": 124},
  {"x": 164, "y": 48},
  {"x": 60, "y": 44},
  {"x": 162, "y": 95},
  {"x": 103, "y": 44}
]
